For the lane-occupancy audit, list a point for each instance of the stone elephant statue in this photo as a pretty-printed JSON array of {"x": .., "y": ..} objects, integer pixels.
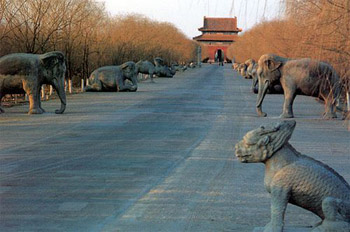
[
  {"x": 298, "y": 76},
  {"x": 113, "y": 78},
  {"x": 26, "y": 73},
  {"x": 146, "y": 67}
]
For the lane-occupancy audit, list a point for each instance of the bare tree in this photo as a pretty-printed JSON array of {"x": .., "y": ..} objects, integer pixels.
[{"x": 87, "y": 34}]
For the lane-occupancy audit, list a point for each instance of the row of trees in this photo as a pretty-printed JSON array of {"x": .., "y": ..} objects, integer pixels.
[
  {"x": 87, "y": 34},
  {"x": 318, "y": 29}
]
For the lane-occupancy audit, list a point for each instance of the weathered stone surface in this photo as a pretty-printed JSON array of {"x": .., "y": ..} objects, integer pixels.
[{"x": 287, "y": 229}]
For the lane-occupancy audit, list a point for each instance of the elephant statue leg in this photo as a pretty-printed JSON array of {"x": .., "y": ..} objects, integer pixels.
[
  {"x": 125, "y": 87},
  {"x": 36, "y": 102},
  {"x": 151, "y": 76},
  {"x": 97, "y": 86},
  {"x": 121, "y": 85},
  {"x": 289, "y": 97},
  {"x": 33, "y": 105},
  {"x": 33, "y": 93},
  {"x": 130, "y": 88},
  {"x": 39, "y": 100}
]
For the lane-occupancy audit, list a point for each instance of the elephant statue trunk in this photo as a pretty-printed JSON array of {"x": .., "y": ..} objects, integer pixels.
[
  {"x": 62, "y": 95},
  {"x": 263, "y": 87},
  {"x": 254, "y": 82}
]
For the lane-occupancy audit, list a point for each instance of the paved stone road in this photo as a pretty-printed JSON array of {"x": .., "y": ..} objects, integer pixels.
[{"x": 160, "y": 159}]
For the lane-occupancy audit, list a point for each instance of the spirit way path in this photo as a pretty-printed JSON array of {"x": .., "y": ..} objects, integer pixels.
[{"x": 159, "y": 159}]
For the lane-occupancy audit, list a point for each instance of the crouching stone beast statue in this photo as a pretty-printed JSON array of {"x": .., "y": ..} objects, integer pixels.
[
  {"x": 296, "y": 178},
  {"x": 113, "y": 78}
]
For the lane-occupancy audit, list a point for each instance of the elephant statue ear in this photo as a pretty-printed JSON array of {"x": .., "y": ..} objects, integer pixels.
[
  {"x": 129, "y": 64},
  {"x": 272, "y": 64},
  {"x": 51, "y": 59}
]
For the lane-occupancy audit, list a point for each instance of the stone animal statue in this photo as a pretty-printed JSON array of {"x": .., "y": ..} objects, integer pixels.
[
  {"x": 26, "y": 73},
  {"x": 181, "y": 68},
  {"x": 173, "y": 69},
  {"x": 192, "y": 65},
  {"x": 298, "y": 76},
  {"x": 161, "y": 70},
  {"x": 251, "y": 68},
  {"x": 113, "y": 78},
  {"x": 242, "y": 68},
  {"x": 146, "y": 67},
  {"x": 291, "y": 177},
  {"x": 205, "y": 60},
  {"x": 235, "y": 66}
]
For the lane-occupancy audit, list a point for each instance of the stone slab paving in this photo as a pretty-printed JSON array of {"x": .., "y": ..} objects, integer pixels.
[
  {"x": 160, "y": 159},
  {"x": 287, "y": 229}
]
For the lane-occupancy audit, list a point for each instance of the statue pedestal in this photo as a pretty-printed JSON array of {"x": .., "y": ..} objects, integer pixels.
[{"x": 287, "y": 229}]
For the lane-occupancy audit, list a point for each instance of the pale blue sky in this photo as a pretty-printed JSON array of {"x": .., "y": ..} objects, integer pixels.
[{"x": 188, "y": 15}]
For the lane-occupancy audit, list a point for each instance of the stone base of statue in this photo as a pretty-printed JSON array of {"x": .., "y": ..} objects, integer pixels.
[{"x": 287, "y": 229}]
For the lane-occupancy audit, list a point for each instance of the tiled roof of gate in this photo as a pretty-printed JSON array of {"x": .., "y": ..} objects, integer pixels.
[
  {"x": 215, "y": 37},
  {"x": 220, "y": 24}
]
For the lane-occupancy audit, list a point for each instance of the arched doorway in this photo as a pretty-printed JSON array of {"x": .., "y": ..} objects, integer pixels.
[{"x": 219, "y": 57}]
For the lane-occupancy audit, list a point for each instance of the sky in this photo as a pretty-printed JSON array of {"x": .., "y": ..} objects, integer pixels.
[{"x": 187, "y": 15}]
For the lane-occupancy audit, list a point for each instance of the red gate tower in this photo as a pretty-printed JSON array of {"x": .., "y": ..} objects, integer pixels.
[{"x": 217, "y": 35}]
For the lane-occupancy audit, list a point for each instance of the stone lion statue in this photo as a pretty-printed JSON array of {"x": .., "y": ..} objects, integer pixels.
[{"x": 291, "y": 177}]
